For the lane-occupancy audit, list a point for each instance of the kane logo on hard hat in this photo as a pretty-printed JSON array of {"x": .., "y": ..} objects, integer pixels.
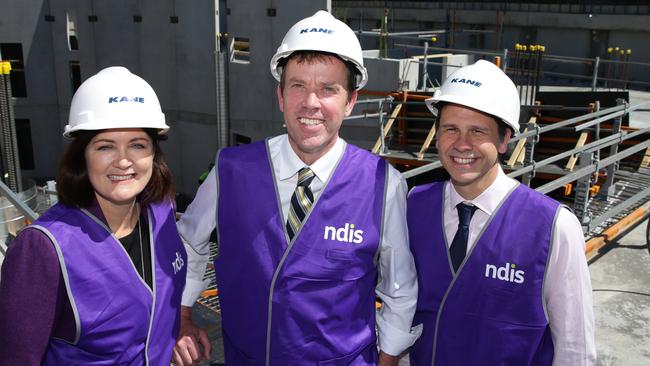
[
  {"x": 505, "y": 273},
  {"x": 316, "y": 30},
  {"x": 466, "y": 81},
  {"x": 345, "y": 234},
  {"x": 125, "y": 99}
]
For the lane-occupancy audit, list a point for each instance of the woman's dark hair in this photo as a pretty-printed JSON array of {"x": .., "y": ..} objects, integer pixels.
[{"x": 73, "y": 187}]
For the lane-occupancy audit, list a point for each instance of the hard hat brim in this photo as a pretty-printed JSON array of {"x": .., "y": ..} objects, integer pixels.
[
  {"x": 432, "y": 103},
  {"x": 362, "y": 73},
  {"x": 159, "y": 125}
]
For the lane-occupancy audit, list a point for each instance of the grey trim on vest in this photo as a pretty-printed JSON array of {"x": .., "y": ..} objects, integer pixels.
[
  {"x": 153, "y": 282},
  {"x": 451, "y": 268},
  {"x": 548, "y": 258},
  {"x": 408, "y": 194},
  {"x": 117, "y": 241},
  {"x": 216, "y": 209},
  {"x": 286, "y": 236},
  {"x": 383, "y": 213},
  {"x": 66, "y": 280},
  {"x": 462, "y": 264},
  {"x": 444, "y": 236},
  {"x": 275, "y": 275}
]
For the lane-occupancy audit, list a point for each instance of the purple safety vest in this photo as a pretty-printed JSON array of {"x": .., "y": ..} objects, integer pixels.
[
  {"x": 492, "y": 312},
  {"x": 112, "y": 305},
  {"x": 310, "y": 301}
]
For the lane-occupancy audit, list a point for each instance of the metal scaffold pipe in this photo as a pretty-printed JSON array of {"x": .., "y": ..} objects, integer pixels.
[
  {"x": 17, "y": 202},
  {"x": 10, "y": 167},
  {"x": 594, "y": 83},
  {"x": 221, "y": 62},
  {"x": 443, "y": 49}
]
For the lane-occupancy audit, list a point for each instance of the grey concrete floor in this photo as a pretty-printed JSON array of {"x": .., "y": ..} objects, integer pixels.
[
  {"x": 620, "y": 278},
  {"x": 211, "y": 322}
]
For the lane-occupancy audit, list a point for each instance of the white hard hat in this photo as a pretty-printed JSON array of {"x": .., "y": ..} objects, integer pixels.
[
  {"x": 115, "y": 98},
  {"x": 484, "y": 87},
  {"x": 322, "y": 32}
]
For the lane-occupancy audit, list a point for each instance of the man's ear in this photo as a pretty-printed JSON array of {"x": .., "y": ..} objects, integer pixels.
[
  {"x": 278, "y": 91},
  {"x": 351, "y": 101},
  {"x": 503, "y": 145}
]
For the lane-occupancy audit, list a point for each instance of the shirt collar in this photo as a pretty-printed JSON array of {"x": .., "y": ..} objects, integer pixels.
[
  {"x": 491, "y": 197},
  {"x": 289, "y": 163}
]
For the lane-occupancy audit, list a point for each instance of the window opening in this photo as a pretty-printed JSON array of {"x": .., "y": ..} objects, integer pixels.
[{"x": 240, "y": 50}]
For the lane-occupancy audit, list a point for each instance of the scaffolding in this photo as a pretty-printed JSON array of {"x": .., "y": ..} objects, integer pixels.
[
  {"x": 600, "y": 192},
  {"x": 18, "y": 210},
  {"x": 9, "y": 161}
]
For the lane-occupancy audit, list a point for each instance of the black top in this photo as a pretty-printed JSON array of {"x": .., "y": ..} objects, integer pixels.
[{"x": 136, "y": 245}]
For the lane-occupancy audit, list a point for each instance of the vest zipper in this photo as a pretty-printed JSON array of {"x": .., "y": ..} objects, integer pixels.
[{"x": 153, "y": 287}]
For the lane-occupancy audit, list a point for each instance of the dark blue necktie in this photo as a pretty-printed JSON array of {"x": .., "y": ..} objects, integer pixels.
[{"x": 458, "y": 247}]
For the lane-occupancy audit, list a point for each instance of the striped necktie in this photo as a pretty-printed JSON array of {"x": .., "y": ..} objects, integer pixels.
[{"x": 301, "y": 202}]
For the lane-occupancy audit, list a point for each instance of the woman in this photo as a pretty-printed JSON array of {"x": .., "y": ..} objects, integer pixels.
[{"x": 97, "y": 279}]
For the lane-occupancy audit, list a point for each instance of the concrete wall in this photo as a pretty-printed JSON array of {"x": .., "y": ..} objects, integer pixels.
[
  {"x": 22, "y": 22},
  {"x": 254, "y": 110},
  {"x": 564, "y": 34},
  {"x": 638, "y": 43},
  {"x": 386, "y": 74},
  {"x": 177, "y": 59}
]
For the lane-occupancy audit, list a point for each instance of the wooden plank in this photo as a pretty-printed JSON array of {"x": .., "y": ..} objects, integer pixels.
[
  {"x": 427, "y": 142},
  {"x": 389, "y": 124},
  {"x": 581, "y": 141},
  {"x": 521, "y": 157},
  {"x": 646, "y": 159},
  {"x": 438, "y": 55},
  {"x": 574, "y": 158},
  {"x": 613, "y": 232},
  {"x": 517, "y": 152}
]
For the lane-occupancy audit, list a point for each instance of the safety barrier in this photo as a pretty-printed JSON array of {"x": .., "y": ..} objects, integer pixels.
[
  {"x": 597, "y": 203},
  {"x": 17, "y": 210}
]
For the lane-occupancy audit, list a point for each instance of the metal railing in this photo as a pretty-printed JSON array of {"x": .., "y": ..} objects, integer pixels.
[
  {"x": 16, "y": 210},
  {"x": 613, "y": 71},
  {"x": 590, "y": 161}
]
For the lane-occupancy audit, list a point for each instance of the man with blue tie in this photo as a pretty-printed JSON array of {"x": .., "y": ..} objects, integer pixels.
[{"x": 502, "y": 274}]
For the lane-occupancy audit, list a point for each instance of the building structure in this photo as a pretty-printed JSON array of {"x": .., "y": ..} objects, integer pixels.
[
  {"x": 208, "y": 60},
  {"x": 180, "y": 47}
]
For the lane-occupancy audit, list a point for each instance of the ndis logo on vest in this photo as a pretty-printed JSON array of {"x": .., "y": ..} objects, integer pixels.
[
  {"x": 178, "y": 263},
  {"x": 505, "y": 273},
  {"x": 345, "y": 234}
]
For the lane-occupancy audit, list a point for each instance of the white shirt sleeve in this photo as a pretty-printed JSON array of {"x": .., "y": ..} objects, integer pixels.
[
  {"x": 397, "y": 286},
  {"x": 568, "y": 295},
  {"x": 195, "y": 227}
]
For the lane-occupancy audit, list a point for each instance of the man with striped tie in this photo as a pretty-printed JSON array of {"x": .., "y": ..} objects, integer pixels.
[{"x": 310, "y": 229}]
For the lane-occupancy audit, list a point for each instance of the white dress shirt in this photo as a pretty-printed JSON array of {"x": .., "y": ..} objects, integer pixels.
[
  {"x": 567, "y": 287},
  {"x": 397, "y": 285}
]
